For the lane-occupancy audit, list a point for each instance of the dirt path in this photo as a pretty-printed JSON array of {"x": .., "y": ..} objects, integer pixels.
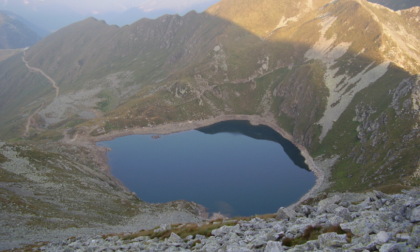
[
  {"x": 29, "y": 121},
  {"x": 53, "y": 84},
  {"x": 37, "y": 70}
]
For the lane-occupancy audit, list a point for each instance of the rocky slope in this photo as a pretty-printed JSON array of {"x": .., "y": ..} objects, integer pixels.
[
  {"x": 340, "y": 222},
  {"x": 340, "y": 79}
]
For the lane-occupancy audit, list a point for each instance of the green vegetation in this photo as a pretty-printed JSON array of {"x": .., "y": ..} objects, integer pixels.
[
  {"x": 193, "y": 229},
  {"x": 366, "y": 161},
  {"x": 108, "y": 100},
  {"x": 3, "y": 159}
]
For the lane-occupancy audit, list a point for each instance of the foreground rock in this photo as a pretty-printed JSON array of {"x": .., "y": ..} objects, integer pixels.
[{"x": 341, "y": 222}]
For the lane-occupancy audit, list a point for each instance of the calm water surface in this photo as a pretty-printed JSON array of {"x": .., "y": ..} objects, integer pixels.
[{"x": 230, "y": 167}]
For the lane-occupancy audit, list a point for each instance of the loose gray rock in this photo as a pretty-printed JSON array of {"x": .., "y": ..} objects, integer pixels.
[
  {"x": 285, "y": 214},
  {"x": 325, "y": 204},
  {"x": 332, "y": 240},
  {"x": 415, "y": 215},
  {"x": 372, "y": 229},
  {"x": 382, "y": 237},
  {"x": 273, "y": 246},
  {"x": 394, "y": 247}
]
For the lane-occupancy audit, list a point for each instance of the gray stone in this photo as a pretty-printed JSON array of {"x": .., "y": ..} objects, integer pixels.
[
  {"x": 335, "y": 220},
  {"x": 236, "y": 248},
  {"x": 279, "y": 228},
  {"x": 332, "y": 240},
  {"x": 221, "y": 231},
  {"x": 415, "y": 237},
  {"x": 273, "y": 246},
  {"x": 273, "y": 236},
  {"x": 162, "y": 228},
  {"x": 210, "y": 245},
  {"x": 308, "y": 246},
  {"x": 285, "y": 214},
  {"x": 369, "y": 223},
  {"x": 325, "y": 204},
  {"x": 343, "y": 213},
  {"x": 174, "y": 238},
  {"x": 394, "y": 247},
  {"x": 382, "y": 237},
  {"x": 306, "y": 210},
  {"x": 415, "y": 215},
  {"x": 403, "y": 237},
  {"x": 354, "y": 208}
]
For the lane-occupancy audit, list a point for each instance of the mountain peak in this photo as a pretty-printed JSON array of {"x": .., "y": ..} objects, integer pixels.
[{"x": 14, "y": 33}]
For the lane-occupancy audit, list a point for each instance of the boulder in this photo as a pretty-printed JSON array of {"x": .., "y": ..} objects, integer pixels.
[
  {"x": 273, "y": 246},
  {"x": 343, "y": 213},
  {"x": 236, "y": 247},
  {"x": 174, "y": 238},
  {"x": 365, "y": 224},
  {"x": 382, "y": 237},
  {"x": 221, "y": 231},
  {"x": 415, "y": 237},
  {"x": 325, "y": 204},
  {"x": 394, "y": 247},
  {"x": 415, "y": 215},
  {"x": 285, "y": 214},
  {"x": 328, "y": 240}
]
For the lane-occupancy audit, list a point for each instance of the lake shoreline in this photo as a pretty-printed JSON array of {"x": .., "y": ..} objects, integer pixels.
[{"x": 164, "y": 129}]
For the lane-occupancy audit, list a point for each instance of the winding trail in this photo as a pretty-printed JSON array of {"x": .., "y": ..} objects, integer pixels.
[
  {"x": 37, "y": 70},
  {"x": 29, "y": 121}
]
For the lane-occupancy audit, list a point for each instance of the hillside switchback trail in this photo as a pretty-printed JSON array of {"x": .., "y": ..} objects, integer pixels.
[{"x": 53, "y": 84}]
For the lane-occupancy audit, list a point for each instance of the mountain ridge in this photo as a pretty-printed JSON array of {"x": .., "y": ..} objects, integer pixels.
[
  {"x": 15, "y": 32},
  {"x": 341, "y": 80},
  {"x": 151, "y": 49}
]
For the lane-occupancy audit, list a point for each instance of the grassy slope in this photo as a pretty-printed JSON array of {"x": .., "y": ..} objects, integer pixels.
[{"x": 181, "y": 76}]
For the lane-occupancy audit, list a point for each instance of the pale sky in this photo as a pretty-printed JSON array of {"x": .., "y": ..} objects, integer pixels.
[
  {"x": 101, "y": 6},
  {"x": 52, "y": 15}
]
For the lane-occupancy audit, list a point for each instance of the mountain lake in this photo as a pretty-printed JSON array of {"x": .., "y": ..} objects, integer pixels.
[{"x": 231, "y": 167}]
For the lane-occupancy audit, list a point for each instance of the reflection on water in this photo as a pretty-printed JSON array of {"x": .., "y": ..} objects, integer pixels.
[
  {"x": 260, "y": 132},
  {"x": 231, "y": 167}
]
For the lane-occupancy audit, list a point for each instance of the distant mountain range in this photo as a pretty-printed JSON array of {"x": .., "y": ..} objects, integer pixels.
[
  {"x": 15, "y": 32},
  {"x": 53, "y": 15}
]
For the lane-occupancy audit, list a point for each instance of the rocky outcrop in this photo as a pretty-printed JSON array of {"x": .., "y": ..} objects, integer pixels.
[{"x": 342, "y": 222}]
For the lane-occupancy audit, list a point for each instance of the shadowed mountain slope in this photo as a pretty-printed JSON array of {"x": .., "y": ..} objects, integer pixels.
[
  {"x": 305, "y": 66},
  {"x": 341, "y": 78}
]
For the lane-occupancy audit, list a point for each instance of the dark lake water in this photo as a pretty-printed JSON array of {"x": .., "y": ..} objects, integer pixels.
[{"x": 230, "y": 167}]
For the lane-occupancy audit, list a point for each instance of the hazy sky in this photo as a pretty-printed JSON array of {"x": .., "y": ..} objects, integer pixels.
[
  {"x": 101, "y": 6},
  {"x": 52, "y": 15}
]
